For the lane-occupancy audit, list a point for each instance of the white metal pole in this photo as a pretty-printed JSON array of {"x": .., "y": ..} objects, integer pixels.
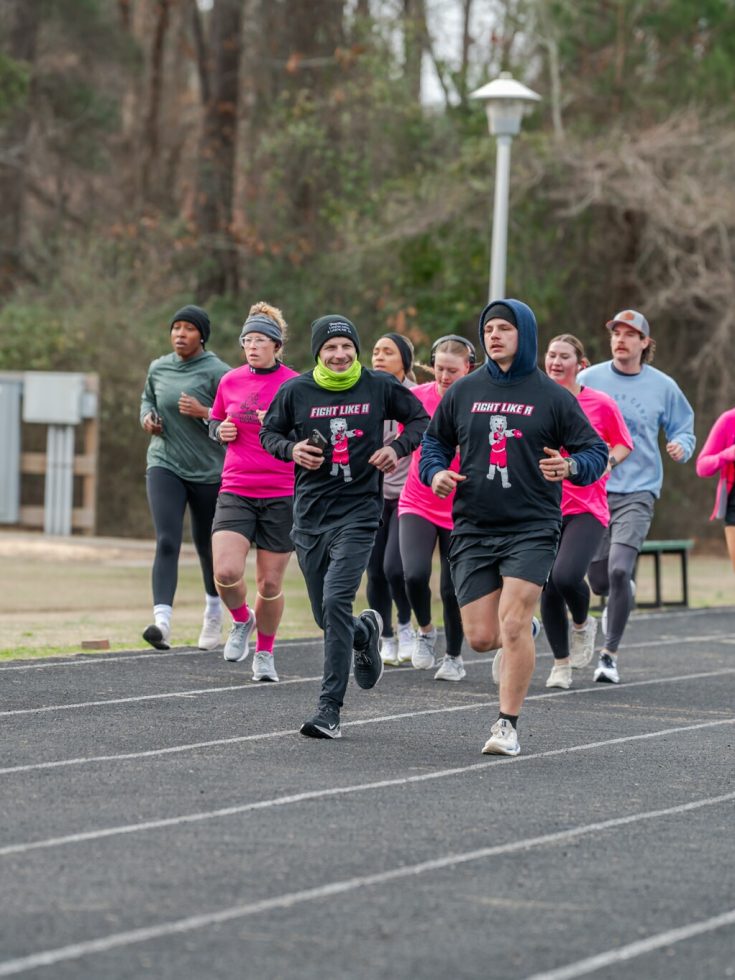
[{"x": 500, "y": 219}]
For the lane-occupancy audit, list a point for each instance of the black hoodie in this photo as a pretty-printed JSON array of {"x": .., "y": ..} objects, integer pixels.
[{"x": 501, "y": 422}]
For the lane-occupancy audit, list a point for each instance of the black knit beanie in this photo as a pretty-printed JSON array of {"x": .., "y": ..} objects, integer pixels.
[
  {"x": 195, "y": 315},
  {"x": 405, "y": 348},
  {"x": 330, "y": 326},
  {"x": 499, "y": 311}
]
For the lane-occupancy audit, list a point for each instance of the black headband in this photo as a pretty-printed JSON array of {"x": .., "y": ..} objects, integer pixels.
[
  {"x": 260, "y": 323},
  {"x": 405, "y": 349}
]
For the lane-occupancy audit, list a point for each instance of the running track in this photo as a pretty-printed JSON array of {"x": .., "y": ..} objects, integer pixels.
[{"x": 161, "y": 817}]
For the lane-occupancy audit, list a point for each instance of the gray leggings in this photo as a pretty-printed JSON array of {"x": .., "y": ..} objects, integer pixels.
[{"x": 612, "y": 577}]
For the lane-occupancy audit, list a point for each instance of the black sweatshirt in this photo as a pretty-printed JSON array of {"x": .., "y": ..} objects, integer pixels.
[
  {"x": 501, "y": 431},
  {"x": 346, "y": 489}
]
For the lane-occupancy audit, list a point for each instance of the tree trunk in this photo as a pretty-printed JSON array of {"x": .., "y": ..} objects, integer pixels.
[
  {"x": 218, "y": 270},
  {"x": 151, "y": 129},
  {"x": 23, "y": 21}
]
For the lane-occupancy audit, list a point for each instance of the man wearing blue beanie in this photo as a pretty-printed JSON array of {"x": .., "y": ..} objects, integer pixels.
[{"x": 510, "y": 422}]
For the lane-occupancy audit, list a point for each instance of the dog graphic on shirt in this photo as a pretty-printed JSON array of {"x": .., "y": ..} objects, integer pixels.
[
  {"x": 498, "y": 438},
  {"x": 340, "y": 448}
]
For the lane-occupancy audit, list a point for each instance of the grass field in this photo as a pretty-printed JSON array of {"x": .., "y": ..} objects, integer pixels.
[{"x": 57, "y": 593}]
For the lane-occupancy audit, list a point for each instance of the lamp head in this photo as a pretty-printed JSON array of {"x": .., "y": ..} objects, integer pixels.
[{"x": 506, "y": 100}]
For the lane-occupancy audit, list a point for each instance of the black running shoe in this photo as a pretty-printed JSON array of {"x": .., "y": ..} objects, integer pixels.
[
  {"x": 157, "y": 636},
  {"x": 368, "y": 664},
  {"x": 324, "y": 724}
]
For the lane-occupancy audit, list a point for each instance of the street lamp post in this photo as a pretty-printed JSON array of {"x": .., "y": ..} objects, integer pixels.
[{"x": 505, "y": 100}]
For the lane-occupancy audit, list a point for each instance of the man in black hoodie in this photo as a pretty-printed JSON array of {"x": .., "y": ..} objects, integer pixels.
[
  {"x": 338, "y": 495},
  {"x": 519, "y": 435}
]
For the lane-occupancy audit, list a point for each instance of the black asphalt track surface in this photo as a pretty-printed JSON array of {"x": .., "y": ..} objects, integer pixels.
[{"x": 161, "y": 817}]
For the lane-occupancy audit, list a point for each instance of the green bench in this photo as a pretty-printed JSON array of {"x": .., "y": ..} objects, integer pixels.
[{"x": 658, "y": 548}]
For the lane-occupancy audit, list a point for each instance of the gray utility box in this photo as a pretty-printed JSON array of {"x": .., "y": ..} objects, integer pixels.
[{"x": 11, "y": 390}]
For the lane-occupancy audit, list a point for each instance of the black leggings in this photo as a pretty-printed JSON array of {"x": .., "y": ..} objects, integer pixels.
[
  {"x": 385, "y": 572},
  {"x": 566, "y": 587},
  {"x": 612, "y": 577},
  {"x": 417, "y": 538},
  {"x": 168, "y": 496}
]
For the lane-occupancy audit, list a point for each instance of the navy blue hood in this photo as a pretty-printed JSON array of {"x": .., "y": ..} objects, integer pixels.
[{"x": 525, "y": 361}]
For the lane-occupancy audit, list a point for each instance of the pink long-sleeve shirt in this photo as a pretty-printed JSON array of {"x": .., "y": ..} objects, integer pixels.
[{"x": 717, "y": 456}]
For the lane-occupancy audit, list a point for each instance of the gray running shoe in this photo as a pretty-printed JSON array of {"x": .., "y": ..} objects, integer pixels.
[
  {"x": 324, "y": 724},
  {"x": 264, "y": 667},
  {"x": 582, "y": 644},
  {"x": 503, "y": 739},
  {"x": 368, "y": 666},
  {"x": 237, "y": 646},
  {"x": 423, "y": 651},
  {"x": 450, "y": 669}
]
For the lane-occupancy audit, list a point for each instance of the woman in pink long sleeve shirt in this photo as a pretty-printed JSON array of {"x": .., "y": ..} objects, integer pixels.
[{"x": 717, "y": 458}]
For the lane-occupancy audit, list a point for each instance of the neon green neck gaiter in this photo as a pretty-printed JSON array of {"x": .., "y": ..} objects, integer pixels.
[{"x": 337, "y": 380}]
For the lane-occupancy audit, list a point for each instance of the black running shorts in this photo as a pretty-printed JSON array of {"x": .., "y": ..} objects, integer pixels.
[{"x": 265, "y": 521}]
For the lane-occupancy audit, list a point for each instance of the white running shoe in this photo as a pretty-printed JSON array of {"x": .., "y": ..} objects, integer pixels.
[
  {"x": 450, "y": 669},
  {"x": 211, "y": 634},
  {"x": 389, "y": 651},
  {"x": 535, "y": 630},
  {"x": 607, "y": 669},
  {"x": 406, "y": 642},
  {"x": 237, "y": 646},
  {"x": 582, "y": 644},
  {"x": 423, "y": 651},
  {"x": 503, "y": 739},
  {"x": 560, "y": 676},
  {"x": 264, "y": 667}
]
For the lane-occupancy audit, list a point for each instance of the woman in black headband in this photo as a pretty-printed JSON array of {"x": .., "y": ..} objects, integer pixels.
[{"x": 393, "y": 353}]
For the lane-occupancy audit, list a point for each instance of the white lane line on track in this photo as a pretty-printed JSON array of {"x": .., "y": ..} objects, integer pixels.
[
  {"x": 132, "y": 937},
  {"x": 623, "y": 954},
  {"x": 318, "y": 794},
  {"x": 253, "y": 686},
  {"x": 261, "y": 736},
  {"x": 90, "y": 660},
  {"x": 160, "y": 655}
]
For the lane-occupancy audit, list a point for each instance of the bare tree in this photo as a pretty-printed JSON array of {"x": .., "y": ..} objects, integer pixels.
[
  {"x": 22, "y": 32},
  {"x": 219, "y": 267}
]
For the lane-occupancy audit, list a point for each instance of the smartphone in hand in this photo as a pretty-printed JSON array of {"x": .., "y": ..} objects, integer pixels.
[{"x": 317, "y": 439}]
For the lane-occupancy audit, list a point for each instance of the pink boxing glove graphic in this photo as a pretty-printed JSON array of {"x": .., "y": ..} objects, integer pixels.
[
  {"x": 498, "y": 438},
  {"x": 340, "y": 435}
]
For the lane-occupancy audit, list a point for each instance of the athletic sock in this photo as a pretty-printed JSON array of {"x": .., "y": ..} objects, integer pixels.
[
  {"x": 241, "y": 614},
  {"x": 513, "y": 719},
  {"x": 213, "y": 606},
  {"x": 362, "y": 635},
  {"x": 265, "y": 643},
  {"x": 162, "y": 614}
]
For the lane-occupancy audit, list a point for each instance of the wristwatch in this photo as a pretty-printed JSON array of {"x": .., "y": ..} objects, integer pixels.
[
  {"x": 573, "y": 467},
  {"x": 613, "y": 461}
]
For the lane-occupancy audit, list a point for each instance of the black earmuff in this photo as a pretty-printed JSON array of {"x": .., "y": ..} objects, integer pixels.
[{"x": 460, "y": 340}]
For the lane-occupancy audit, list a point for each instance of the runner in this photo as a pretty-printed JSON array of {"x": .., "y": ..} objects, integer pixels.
[
  {"x": 255, "y": 503},
  {"x": 649, "y": 401},
  {"x": 392, "y": 353},
  {"x": 183, "y": 468},
  {"x": 585, "y": 515},
  {"x": 425, "y": 519},
  {"x": 329, "y": 421},
  {"x": 717, "y": 458},
  {"x": 509, "y": 421}
]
